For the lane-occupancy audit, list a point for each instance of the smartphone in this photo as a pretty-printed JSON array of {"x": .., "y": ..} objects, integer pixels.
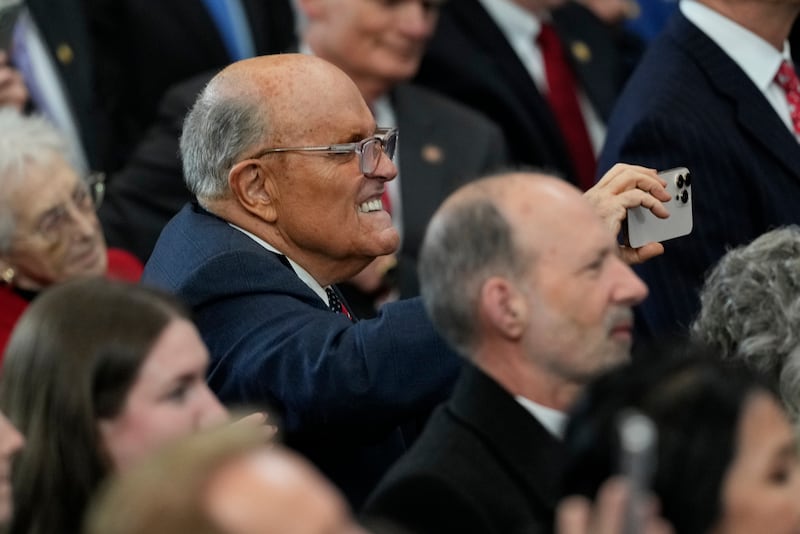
[
  {"x": 638, "y": 439},
  {"x": 643, "y": 227}
]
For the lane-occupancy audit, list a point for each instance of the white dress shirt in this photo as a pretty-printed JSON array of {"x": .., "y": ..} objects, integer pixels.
[{"x": 553, "y": 420}]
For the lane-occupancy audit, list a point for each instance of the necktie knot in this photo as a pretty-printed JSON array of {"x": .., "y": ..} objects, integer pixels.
[
  {"x": 335, "y": 303},
  {"x": 333, "y": 300},
  {"x": 786, "y": 78}
]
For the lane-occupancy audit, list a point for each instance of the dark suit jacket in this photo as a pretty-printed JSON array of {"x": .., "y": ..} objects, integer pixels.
[
  {"x": 470, "y": 59},
  {"x": 150, "y": 190},
  {"x": 482, "y": 465},
  {"x": 689, "y": 104},
  {"x": 341, "y": 389},
  {"x": 143, "y": 47},
  {"x": 63, "y": 26}
]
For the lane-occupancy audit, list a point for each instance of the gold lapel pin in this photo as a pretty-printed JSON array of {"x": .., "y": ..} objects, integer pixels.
[
  {"x": 432, "y": 154},
  {"x": 64, "y": 53},
  {"x": 581, "y": 51}
]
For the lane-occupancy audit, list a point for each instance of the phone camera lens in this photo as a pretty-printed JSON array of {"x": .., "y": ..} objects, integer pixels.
[
  {"x": 688, "y": 179},
  {"x": 679, "y": 181},
  {"x": 685, "y": 197}
]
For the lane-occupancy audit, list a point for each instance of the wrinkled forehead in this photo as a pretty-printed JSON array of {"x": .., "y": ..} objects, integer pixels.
[{"x": 39, "y": 186}]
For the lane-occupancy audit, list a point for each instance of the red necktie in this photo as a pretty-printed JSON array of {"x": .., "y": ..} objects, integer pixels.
[
  {"x": 787, "y": 79},
  {"x": 563, "y": 98}
]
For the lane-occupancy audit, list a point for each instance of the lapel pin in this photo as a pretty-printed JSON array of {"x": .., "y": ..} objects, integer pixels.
[
  {"x": 432, "y": 154},
  {"x": 581, "y": 51},
  {"x": 65, "y": 54}
]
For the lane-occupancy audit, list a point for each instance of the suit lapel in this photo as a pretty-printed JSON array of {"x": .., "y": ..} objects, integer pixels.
[
  {"x": 506, "y": 69},
  {"x": 482, "y": 28},
  {"x": 753, "y": 111},
  {"x": 531, "y": 455},
  {"x": 421, "y": 181}
]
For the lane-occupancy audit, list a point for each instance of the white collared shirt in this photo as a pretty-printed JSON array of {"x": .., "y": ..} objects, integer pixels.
[
  {"x": 301, "y": 273},
  {"x": 758, "y": 59},
  {"x": 521, "y": 29},
  {"x": 553, "y": 420}
]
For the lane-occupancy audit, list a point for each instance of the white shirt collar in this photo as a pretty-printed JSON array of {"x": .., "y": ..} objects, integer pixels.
[
  {"x": 755, "y": 56},
  {"x": 553, "y": 420},
  {"x": 512, "y": 19},
  {"x": 301, "y": 273}
]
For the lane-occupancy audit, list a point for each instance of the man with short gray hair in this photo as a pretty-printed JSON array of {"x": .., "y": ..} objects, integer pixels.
[{"x": 522, "y": 277}]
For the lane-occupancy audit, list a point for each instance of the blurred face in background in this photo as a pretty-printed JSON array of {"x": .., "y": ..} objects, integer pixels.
[
  {"x": 11, "y": 441},
  {"x": 379, "y": 42},
  {"x": 57, "y": 235},
  {"x": 169, "y": 398},
  {"x": 761, "y": 490}
]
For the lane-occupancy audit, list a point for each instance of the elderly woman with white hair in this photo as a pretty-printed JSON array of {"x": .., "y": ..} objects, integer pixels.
[
  {"x": 750, "y": 310},
  {"x": 49, "y": 232}
]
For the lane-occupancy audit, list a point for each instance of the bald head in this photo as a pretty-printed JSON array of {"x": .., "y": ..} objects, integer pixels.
[
  {"x": 538, "y": 235},
  {"x": 257, "y": 102},
  {"x": 275, "y": 491}
]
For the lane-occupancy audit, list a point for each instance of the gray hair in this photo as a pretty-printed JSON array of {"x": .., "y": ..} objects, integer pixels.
[
  {"x": 25, "y": 141},
  {"x": 750, "y": 310},
  {"x": 463, "y": 247},
  {"x": 216, "y": 132}
]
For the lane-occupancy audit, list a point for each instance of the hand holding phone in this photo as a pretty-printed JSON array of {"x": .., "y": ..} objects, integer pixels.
[{"x": 643, "y": 227}]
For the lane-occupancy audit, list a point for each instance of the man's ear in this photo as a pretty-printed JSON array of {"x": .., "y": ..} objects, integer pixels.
[
  {"x": 504, "y": 306},
  {"x": 312, "y": 9},
  {"x": 251, "y": 185}
]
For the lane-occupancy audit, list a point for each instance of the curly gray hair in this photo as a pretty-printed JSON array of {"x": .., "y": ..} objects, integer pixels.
[{"x": 750, "y": 310}]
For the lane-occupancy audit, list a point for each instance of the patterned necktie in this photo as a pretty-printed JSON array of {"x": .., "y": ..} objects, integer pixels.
[
  {"x": 563, "y": 98},
  {"x": 335, "y": 304},
  {"x": 787, "y": 80}
]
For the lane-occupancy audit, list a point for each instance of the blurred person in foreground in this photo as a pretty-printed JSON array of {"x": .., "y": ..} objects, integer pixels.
[
  {"x": 223, "y": 481},
  {"x": 725, "y": 458},
  {"x": 525, "y": 281},
  {"x": 97, "y": 374},
  {"x": 289, "y": 167},
  {"x": 750, "y": 310},
  {"x": 49, "y": 232}
]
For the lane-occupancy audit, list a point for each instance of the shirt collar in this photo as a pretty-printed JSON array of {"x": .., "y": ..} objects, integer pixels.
[
  {"x": 512, "y": 19},
  {"x": 553, "y": 420},
  {"x": 755, "y": 56},
  {"x": 301, "y": 273}
]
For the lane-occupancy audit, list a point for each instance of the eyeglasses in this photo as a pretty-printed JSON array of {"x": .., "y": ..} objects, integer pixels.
[
  {"x": 369, "y": 150},
  {"x": 86, "y": 198}
]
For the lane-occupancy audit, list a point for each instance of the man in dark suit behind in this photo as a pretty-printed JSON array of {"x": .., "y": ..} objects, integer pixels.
[
  {"x": 523, "y": 279},
  {"x": 706, "y": 97},
  {"x": 488, "y": 55},
  {"x": 143, "y": 47}
]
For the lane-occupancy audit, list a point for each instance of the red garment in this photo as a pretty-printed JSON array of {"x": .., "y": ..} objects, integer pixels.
[
  {"x": 563, "y": 98},
  {"x": 121, "y": 266}
]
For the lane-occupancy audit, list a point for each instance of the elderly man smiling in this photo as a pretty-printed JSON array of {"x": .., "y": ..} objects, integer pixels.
[{"x": 288, "y": 167}]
